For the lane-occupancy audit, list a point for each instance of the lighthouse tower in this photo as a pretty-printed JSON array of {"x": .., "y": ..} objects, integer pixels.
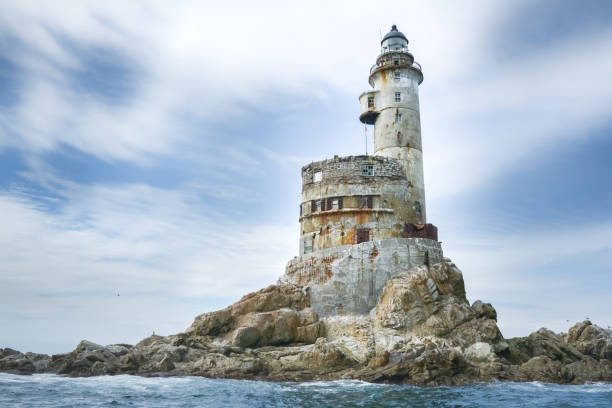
[
  {"x": 393, "y": 108},
  {"x": 362, "y": 218}
]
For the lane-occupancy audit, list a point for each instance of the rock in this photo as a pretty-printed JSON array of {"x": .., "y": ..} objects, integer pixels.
[
  {"x": 119, "y": 349},
  {"x": 6, "y": 352},
  {"x": 379, "y": 360},
  {"x": 476, "y": 330},
  {"x": 309, "y": 333},
  {"x": 166, "y": 364},
  {"x": 428, "y": 366},
  {"x": 542, "y": 343},
  {"x": 272, "y": 298},
  {"x": 422, "y": 331},
  {"x": 150, "y": 340},
  {"x": 86, "y": 346},
  {"x": 480, "y": 352},
  {"x": 542, "y": 368},
  {"x": 587, "y": 369},
  {"x": 431, "y": 302},
  {"x": 591, "y": 340},
  {"x": 326, "y": 354},
  {"x": 246, "y": 336},
  {"x": 484, "y": 310},
  {"x": 17, "y": 364}
]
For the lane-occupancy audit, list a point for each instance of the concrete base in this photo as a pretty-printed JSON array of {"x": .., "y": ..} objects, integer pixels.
[{"x": 349, "y": 279}]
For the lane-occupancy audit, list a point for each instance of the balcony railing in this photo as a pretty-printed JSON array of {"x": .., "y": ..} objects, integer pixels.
[{"x": 414, "y": 65}]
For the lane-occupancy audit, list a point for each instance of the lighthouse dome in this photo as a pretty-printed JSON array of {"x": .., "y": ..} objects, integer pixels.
[{"x": 394, "y": 40}]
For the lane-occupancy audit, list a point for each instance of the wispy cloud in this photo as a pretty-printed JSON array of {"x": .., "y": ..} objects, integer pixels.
[
  {"x": 143, "y": 242},
  {"x": 540, "y": 275}
]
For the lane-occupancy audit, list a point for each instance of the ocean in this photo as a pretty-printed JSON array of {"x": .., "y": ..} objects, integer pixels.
[{"x": 46, "y": 390}]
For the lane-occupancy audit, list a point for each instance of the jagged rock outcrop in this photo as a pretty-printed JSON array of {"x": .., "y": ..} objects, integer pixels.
[{"x": 422, "y": 331}]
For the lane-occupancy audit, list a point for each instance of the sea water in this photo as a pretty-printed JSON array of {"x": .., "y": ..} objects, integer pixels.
[{"x": 46, "y": 390}]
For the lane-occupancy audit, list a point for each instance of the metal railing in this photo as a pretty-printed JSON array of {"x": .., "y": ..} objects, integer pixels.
[{"x": 414, "y": 65}]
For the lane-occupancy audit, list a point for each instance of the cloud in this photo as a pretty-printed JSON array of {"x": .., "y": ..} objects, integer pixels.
[
  {"x": 167, "y": 256},
  {"x": 187, "y": 62},
  {"x": 191, "y": 67},
  {"x": 538, "y": 276},
  {"x": 507, "y": 115}
]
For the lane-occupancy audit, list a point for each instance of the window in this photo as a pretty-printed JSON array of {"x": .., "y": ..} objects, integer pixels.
[
  {"x": 395, "y": 62},
  {"x": 417, "y": 209},
  {"x": 370, "y": 102},
  {"x": 398, "y": 97},
  {"x": 397, "y": 75},
  {"x": 362, "y": 235},
  {"x": 398, "y": 117},
  {"x": 366, "y": 202},
  {"x": 308, "y": 244},
  {"x": 318, "y": 175},
  {"x": 332, "y": 204},
  {"x": 367, "y": 169}
]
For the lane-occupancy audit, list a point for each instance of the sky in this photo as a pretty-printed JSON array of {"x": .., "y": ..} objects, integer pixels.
[{"x": 150, "y": 153}]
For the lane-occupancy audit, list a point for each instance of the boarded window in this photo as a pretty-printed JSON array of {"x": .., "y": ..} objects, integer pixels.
[
  {"x": 318, "y": 175},
  {"x": 367, "y": 169},
  {"x": 398, "y": 97},
  {"x": 366, "y": 202},
  {"x": 417, "y": 209},
  {"x": 370, "y": 102},
  {"x": 307, "y": 244},
  {"x": 362, "y": 235}
]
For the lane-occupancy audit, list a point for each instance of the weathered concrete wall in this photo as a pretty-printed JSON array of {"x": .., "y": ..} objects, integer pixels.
[
  {"x": 397, "y": 129},
  {"x": 340, "y": 198},
  {"x": 349, "y": 279},
  {"x": 393, "y": 107}
]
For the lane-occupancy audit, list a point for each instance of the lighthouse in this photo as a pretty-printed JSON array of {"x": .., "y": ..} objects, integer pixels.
[
  {"x": 362, "y": 218},
  {"x": 393, "y": 108}
]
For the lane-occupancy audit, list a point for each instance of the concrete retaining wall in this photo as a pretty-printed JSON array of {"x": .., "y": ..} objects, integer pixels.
[{"x": 349, "y": 279}]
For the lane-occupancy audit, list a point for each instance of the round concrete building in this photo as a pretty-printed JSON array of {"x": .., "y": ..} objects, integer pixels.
[{"x": 363, "y": 218}]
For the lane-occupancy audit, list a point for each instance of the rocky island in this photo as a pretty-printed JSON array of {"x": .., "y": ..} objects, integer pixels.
[
  {"x": 422, "y": 331},
  {"x": 371, "y": 295}
]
